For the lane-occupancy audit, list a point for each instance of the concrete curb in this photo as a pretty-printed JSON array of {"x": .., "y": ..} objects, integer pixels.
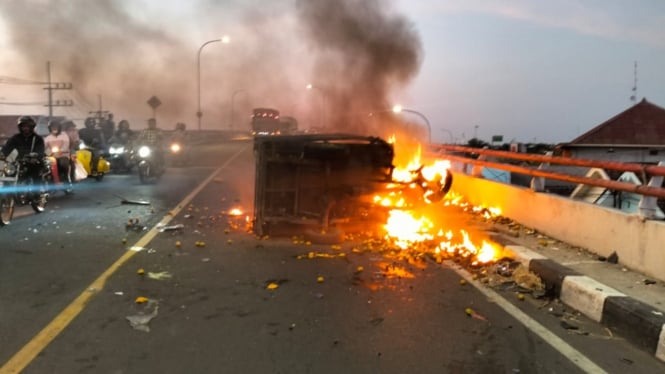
[{"x": 635, "y": 321}]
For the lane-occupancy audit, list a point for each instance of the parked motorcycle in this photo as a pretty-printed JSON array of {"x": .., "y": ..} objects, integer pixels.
[
  {"x": 150, "y": 163},
  {"x": 16, "y": 188},
  {"x": 84, "y": 155},
  {"x": 120, "y": 158}
]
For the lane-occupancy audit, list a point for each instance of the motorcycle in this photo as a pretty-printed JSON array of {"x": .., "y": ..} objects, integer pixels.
[
  {"x": 60, "y": 179},
  {"x": 178, "y": 154},
  {"x": 120, "y": 158},
  {"x": 84, "y": 156},
  {"x": 150, "y": 163},
  {"x": 16, "y": 188}
]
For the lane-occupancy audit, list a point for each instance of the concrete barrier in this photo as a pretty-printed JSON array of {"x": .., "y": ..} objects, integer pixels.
[{"x": 638, "y": 242}]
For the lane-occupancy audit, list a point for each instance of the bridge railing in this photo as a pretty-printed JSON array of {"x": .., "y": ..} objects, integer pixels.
[{"x": 483, "y": 157}]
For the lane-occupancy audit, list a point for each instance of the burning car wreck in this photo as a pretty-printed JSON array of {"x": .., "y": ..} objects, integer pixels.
[{"x": 329, "y": 184}]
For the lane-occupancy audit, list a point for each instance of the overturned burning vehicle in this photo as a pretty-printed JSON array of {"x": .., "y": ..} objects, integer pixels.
[{"x": 331, "y": 184}]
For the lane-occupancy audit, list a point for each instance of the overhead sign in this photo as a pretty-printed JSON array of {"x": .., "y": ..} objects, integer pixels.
[
  {"x": 497, "y": 138},
  {"x": 154, "y": 102}
]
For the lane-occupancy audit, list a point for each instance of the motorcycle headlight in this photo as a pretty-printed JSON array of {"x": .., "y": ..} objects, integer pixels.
[
  {"x": 144, "y": 151},
  {"x": 116, "y": 150},
  {"x": 10, "y": 169},
  {"x": 175, "y": 147}
]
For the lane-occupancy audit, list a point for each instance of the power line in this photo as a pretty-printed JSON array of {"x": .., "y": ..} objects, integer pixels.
[{"x": 19, "y": 81}]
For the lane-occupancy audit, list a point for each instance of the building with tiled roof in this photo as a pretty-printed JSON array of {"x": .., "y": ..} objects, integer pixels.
[{"x": 634, "y": 135}]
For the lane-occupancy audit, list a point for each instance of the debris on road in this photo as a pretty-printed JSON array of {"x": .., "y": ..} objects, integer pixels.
[
  {"x": 134, "y": 202},
  {"x": 177, "y": 227},
  {"x": 141, "y": 300},
  {"x": 160, "y": 276},
  {"x": 140, "y": 321}
]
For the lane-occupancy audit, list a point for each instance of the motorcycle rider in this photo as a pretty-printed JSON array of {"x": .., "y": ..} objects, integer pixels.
[
  {"x": 57, "y": 145},
  {"x": 69, "y": 127},
  {"x": 123, "y": 135},
  {"x": 153, "y": 138},
  {"x": 107, "y": 126},
  {"x": 93, "y": 138},
  {"x": 28, "y": 143},
  {"x": 180, "y": 137}
]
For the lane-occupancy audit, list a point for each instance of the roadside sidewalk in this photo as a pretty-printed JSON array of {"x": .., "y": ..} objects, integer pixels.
[{"x": 631, "y": 304}]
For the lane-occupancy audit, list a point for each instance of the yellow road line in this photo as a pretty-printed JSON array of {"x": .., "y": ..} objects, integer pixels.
[{"x": 25, "y": 355}]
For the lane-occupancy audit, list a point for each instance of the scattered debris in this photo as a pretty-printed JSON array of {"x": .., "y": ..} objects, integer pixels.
[
  {"x": 472, "y": 313},
  {"x": 119, "y": 293},
  {"x": 272, "y": 286},
  {"x": 568, "y": 326},
  {"x": 160, "y": 276},
  {"x": 613, "y": 258},
  {"x": 141, "y": 300},
  {"x": 657, "y": 313},
  {"x": 140, "y": 321},
  {"x": 177, "y": 227},
  {"x": 140, "y": 271},
  {"x": 649, "y": 281},
  {"x": 527, "y": 279},
  {"x": 134, "y": 202},
  {"x": 320, "y": 279}
]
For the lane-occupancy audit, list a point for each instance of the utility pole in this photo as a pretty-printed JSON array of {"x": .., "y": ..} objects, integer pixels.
[
  {"x": 99, "y": 114},
  {"x": 50, "y": 86}
]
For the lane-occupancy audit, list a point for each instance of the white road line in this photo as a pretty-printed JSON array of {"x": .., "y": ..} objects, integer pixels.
[{"x": 549, "y": 337}]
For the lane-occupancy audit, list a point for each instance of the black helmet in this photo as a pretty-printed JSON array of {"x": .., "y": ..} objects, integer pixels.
[
  {"x": 89, "y": 122},
  {"x": 54, "y": 125},
  {"x": 124, "y": 124},
  {"x": 27, "y": 120},
  {"x": 180, "y": 126}
]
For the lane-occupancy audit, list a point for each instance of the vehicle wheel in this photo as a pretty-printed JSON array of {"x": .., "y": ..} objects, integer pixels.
[
  {"x": 144, "y": 173},
  {"x": 7, "y": 204},
  {"x": 39, "y": 205},
  {"x": 99, "y": 177},
  {"x": 69, "y": 185}
]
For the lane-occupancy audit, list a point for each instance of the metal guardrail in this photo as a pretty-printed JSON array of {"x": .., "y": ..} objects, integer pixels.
[{"x": 653, "y": 173}]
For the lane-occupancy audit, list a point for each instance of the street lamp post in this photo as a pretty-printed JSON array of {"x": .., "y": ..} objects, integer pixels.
[
  {"x": 399, "y": 109},
  {"x": 199, "y": 112},
  {"x": 323, "y": 102},
  {"x": 233, "y": 97}
]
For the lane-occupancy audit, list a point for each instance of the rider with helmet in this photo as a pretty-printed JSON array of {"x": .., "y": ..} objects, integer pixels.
[
  {"x": 123, "y": 135},
  {"x": 26, "y": 142},
  {"x": 93, "y": 138},
  {"x": 30, "y": 147},
  {"x": 57, "y": 145}
]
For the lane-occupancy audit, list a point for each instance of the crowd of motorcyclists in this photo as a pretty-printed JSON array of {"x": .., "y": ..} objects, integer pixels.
[{"x": 58, "y": 149}]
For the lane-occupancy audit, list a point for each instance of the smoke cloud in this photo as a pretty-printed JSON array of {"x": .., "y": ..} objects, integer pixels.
[
  {"x": 363, "y": 51},
  {"x": 125, "y": 51}
]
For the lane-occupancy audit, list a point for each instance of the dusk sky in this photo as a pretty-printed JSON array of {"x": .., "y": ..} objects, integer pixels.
[{"x": 543, "y": 71}]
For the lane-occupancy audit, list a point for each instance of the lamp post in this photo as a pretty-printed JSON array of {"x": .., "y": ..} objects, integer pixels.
[
  {"x": 224, "y": 39},
  {"x": 323, "y": 96},
  {"x": 399, "y": 109},
  {"x": 233, "y": 103}
]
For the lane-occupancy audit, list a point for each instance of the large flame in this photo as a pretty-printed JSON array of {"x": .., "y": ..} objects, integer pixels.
[{"x": 408, "y": 227}]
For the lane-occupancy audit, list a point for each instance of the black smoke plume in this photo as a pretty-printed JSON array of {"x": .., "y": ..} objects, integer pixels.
[{"x": 363, "y": 50}]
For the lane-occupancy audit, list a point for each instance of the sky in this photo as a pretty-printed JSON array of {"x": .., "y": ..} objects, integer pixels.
[{"x": 528, "y": 70}]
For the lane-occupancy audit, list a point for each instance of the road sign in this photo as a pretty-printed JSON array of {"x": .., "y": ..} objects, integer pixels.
[{"x": 154, "y": 102}]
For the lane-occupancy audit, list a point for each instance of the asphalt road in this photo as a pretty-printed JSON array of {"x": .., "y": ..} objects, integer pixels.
[{"x": 212, "y": 310}]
